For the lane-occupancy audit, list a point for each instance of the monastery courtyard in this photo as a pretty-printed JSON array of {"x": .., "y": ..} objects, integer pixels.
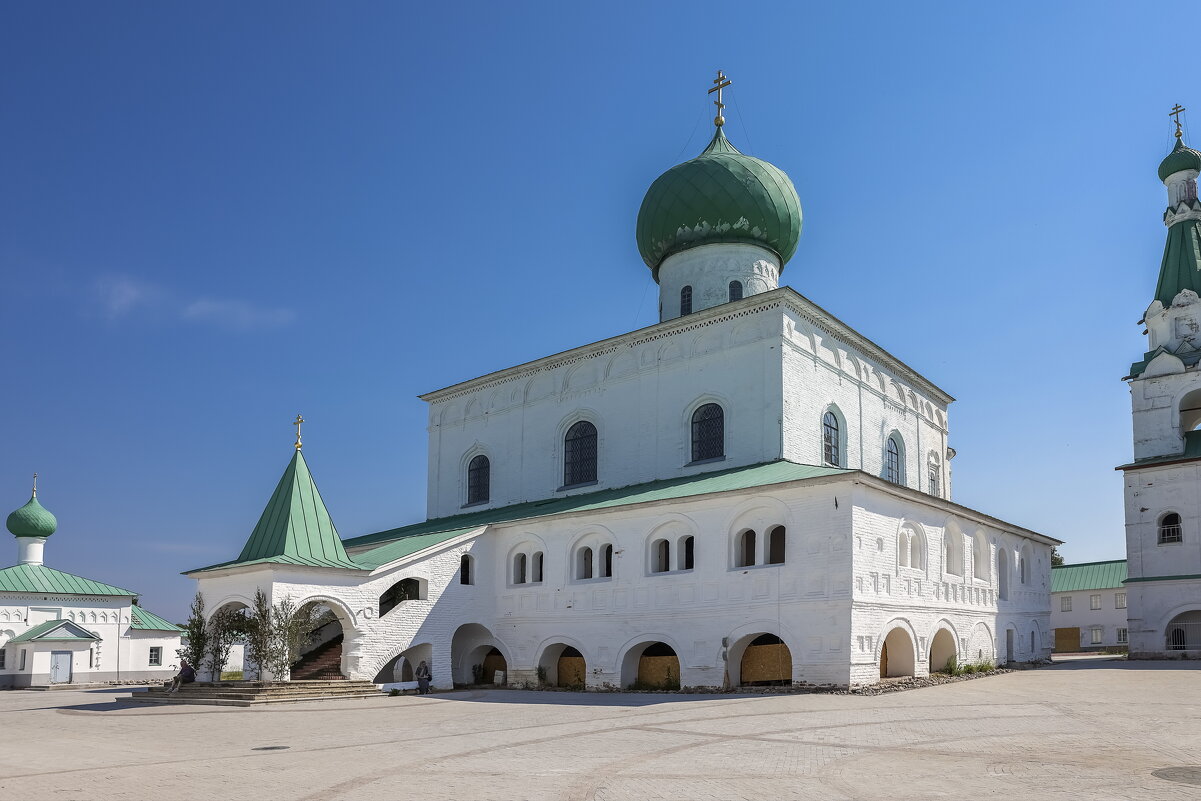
[{"x": 1094, "y": 729}]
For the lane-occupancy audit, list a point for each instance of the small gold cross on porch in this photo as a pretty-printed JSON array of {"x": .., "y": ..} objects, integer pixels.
[
  {"x": 297, "y": 423},
  {"x": 722, "y": 82},
  {"x": 1175, "y": 115}
]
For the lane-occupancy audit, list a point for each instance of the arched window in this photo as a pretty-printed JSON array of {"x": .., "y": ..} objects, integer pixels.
[
  {"x": 953, "y": 552},
  {"x": 1024, "y": 565},
  {"x": 1169, "y": 529},
  {"x": 579, "y": 454},
  {"x": 465, "y": 572},
  {"x": 1002, "y": 573},
  {"x": 934, "y": 476},
  {"x": 536, "y": 568},
  {"x": 686, "y": 301},
  {"x": 606, "y": 561},
  {"x": 892, "y": 461},
  {"x": 776, "y": 544},
  {"x": 584, "y": 566},
  {"x": 735, "y": 291},
  {"x": 660, "y": 556},
  {"x": 980, "y": 557},
  {"x": 686, "y": 550},
  {"x": 519, "y": 569},
  {"x": 478, "y": 479},
  {"x": 746, "y": 549},
  {"x": 404, "y": 590},
  {"x": 831, "y": 453},
  {"x": 708, "y": 433},
  {"x": 917, "y": 551}
]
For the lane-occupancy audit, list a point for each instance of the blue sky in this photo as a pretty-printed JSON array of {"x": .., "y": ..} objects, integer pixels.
[{"x": 217, "y": 215}]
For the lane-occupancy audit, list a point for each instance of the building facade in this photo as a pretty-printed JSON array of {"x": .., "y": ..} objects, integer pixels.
[
  {"x": 59, "y": 628},
  {"x": 747, "y": 492},
  {"x": 1163, "y": 506},
  {"x": 1088, "y": 606}
]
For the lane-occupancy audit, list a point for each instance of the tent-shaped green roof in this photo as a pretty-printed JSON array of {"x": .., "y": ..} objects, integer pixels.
[
  {"x": 295, "y": 528},
  {"x": 145, "y": 620},
  {"x": 1181, "y": 265},
  {"x": 55, "y": 631}
]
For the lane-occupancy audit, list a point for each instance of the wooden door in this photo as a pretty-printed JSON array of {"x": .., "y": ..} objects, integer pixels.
[{"x": 1067, "y": 640}]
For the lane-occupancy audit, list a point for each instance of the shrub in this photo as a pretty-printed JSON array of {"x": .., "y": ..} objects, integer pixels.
[{"x": 394, "y": 692}]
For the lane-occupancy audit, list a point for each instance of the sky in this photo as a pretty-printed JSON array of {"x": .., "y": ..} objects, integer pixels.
[{"x": 214, "y": 216}]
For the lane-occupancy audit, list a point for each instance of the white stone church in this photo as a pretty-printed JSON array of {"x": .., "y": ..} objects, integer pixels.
[
  {"x": 1163, "y": 506},
  {"x": 747, "y": 492}
]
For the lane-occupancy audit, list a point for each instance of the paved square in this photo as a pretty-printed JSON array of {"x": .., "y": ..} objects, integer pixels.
[{"x": 1092, "y": 729}]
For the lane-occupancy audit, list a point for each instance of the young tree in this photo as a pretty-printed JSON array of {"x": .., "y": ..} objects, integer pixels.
[
  {"x": 260, "y": 636},
  {"x": 1056, "y": 558},
  {"x": 290, "y": 630},
  {"x": 196, "y": 634},
  {"x": 224, "y": 627}
]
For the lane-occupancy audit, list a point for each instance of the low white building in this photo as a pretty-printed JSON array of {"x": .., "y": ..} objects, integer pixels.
[
  {"x": 748, "y": 491},
  {"x": 59, "y": 628},
  {"x": 1088, "y": 606}
]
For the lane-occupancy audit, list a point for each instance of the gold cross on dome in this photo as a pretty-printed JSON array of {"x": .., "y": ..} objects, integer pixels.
[
  {"x": 722, "y": 82},
  {"x": 297, "y": 423},
  {"x": 1175, "y": 115},
  {"x": 35, "y": 485}
]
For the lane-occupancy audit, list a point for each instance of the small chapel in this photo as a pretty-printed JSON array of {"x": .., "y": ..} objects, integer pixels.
[
  {"x": 747, "y": 492},
  {"x": 59, "y": 628},
  {"x": 1163, "y": 506}
]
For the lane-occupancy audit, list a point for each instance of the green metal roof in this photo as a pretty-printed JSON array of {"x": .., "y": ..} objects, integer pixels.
[
  {"x": 295, "y": 528},
  {"x": 401, "y": 542},
  {"x": 39, "y": 578},
  {"x": 1182, "y": 157},
  {"x": 1181, "y": 265},
  {"x": 721, "y": 195},
  {"x": 1088, "y": 576},
  {"x": 144, "y": 620},
  {"x": 1192, "y": 450},
  {"x": 32, "y": 520},
  {"x": 55, "y": 631}
]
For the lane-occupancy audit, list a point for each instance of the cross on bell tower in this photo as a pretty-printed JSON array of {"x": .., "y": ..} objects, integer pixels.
[{"x": 721, "y": 83}]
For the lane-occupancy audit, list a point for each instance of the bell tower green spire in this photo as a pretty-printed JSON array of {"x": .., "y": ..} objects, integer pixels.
[{"x": 1180, "y": 268}]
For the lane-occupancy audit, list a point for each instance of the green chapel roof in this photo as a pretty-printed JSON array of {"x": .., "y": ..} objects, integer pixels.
[
  {"x": 1182, "y": 157},
  {"x": 295, "y": 528},
  {"x": 1180, "y": 268},
  {"x": 722, "y": 195},
  {"x": 42, "y": 579},
  {"x": 1088, "y": 576}
]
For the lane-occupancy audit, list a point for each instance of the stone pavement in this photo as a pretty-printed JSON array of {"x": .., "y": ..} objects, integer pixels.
[{"x": 1083, "y": 730}]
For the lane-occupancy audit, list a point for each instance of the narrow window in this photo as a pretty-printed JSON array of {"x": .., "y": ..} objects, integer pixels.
[
  {"x": 662, "y": 556},
  {"x": 584, "y": 570},
  {"x": 687, "y": 549},
  {"x": 892, "y": 461},
  {"x": 831, "y": 453},
  {"x": 935, "y": 487},
  {"x": 606, "y": 561},
  {"x": 22, "y": 667},
  {"x": 579, "y": 454},
  {"x": 1123, "y": 636},
  {"x": 478, "y": 479},
  {"x": 3, "y": 652},
  {"x": 735, "y": 291},
  {"x": 536, "y": 568},
  {"x": 465, "y": 569},
  {"x": 746, "y": 549},
  {"x": 1094, "y": 602},
  {"x": 776, "y": 543},
  {"x": 1169, "y": 529},
  {"x": 1065, "y": 603},
  {"x": 156, "y": 656},
  {"x": 686, "y": 301},
  {"x": 519, "y": 565},
  {"x": 708, "y": 433},
  {"x": 1119, "y": 600}
]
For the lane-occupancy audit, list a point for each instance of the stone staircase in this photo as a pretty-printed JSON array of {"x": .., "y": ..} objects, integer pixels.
[
  {"x": 256, "y": 693},
  {"x": 322, "y": 663}
]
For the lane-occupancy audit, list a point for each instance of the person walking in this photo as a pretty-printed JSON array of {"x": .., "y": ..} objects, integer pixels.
[{"x": 423, "y": 679}]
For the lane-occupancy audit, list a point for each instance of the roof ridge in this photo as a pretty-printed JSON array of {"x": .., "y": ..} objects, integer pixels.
[{"x": 1086, "y": 564}]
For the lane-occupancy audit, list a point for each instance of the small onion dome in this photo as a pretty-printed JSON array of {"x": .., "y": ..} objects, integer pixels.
[
  {"x": 1182, "y": 157},
  {"x": 32, "y": 520},
  {"x": 719, "y": 196}
]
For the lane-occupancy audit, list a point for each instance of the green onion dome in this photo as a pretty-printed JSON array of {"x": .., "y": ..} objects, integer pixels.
[
  {"x": 719, "y": 196},
  {"x": 32, "y": 520},
  {"x": 1182, "y": 157}
]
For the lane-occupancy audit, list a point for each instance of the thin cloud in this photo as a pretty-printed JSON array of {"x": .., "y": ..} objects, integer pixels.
[
  {"x": 237, "y": 315},
  {"x": 118, "y": 297}
]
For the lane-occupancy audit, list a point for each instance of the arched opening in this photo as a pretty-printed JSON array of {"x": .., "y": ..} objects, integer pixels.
[
  {"x": 606, "y": 561},
  {"x": 831, "y": 439},
  {"x": 1003, "y": 573},
  {"x": 685, "y": 300},
  {"x": 479, "y": 480},
  {"x": 476, "y": 657},
  {"x": 584, "y": 566},
  {"x": 776, "y": 544},
  {"x": 735, "y": 291},
  {"x": 402, "y": 667},
  {"x": 894, "y": 464},
  {"x": 687, "y": 552},
  {"x": 1190, "y": 411},
  {"x": 564, "y": 666},
  {"x": 234, "y": 618},
  {"x": 1170, "y": 530},
  {"x": 519, "y": 569},
  {"x": 897, "y": 654},
  {"x": 708, "y": 433},
  {"x": 660, "y": 556},
  {"x": 765, "y": 662},
  {"x": 408, "y": 589},
  {"x": 321, "y": 655},
  {"x": 1183, "y": 633},
  {"x": 579, "y": 454},
  {"x": 466, "y": 570},
  {"x": 536, "y": 568},
  {"x": 942, "y": 649},
  {"x": 1024, "y": 565},
  {"x": 745, "y": 547},
  {"x": 651, "y": 666},
  {"x": 980, "y": 557}
]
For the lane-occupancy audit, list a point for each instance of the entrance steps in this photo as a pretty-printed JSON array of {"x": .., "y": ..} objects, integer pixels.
[{"x": 257, "y": 693}]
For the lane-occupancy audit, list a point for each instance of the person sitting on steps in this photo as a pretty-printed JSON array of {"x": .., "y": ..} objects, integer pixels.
[{"x": 186, "y": 675}]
